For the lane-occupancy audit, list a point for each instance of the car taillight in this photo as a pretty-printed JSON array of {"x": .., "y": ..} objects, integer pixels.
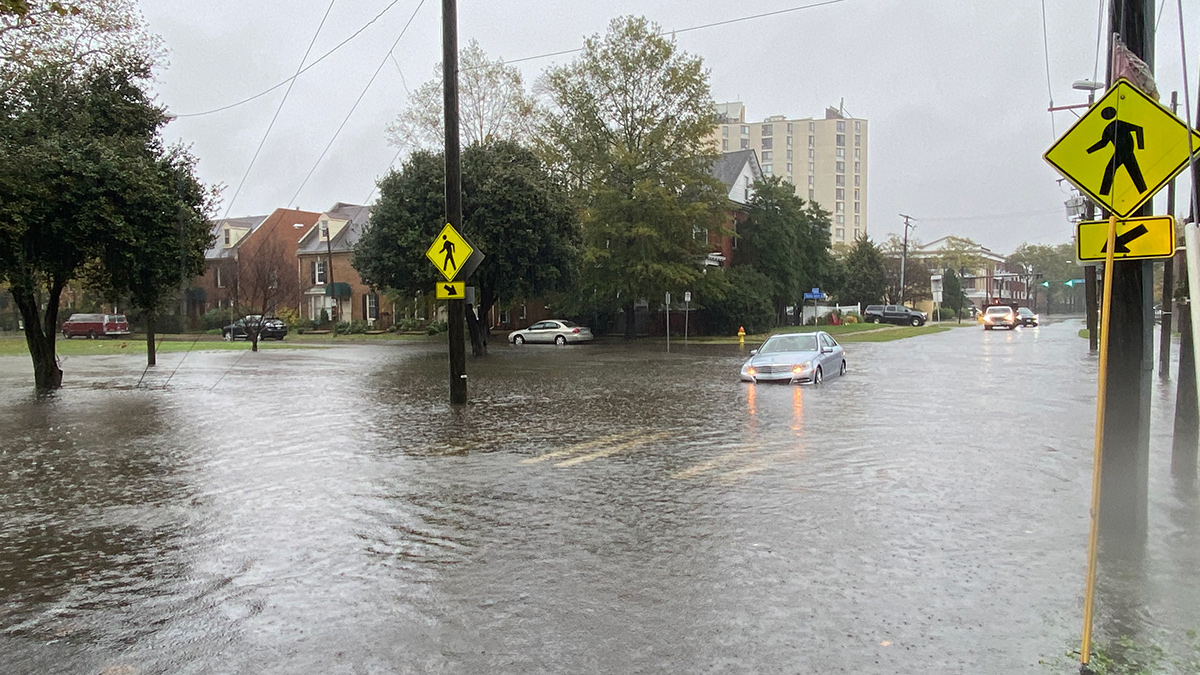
[{"x": 575, "y": 331}]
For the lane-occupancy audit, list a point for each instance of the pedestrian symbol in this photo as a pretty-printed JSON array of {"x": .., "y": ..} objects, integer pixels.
[
  {"x": 449, "y": 252},
  {"x": 1124, "y": 149}
]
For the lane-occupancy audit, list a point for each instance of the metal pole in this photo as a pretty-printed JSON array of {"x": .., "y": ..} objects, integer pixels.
[
  {"x": 685, "y": 320},
  {"x": 329, "y": 273},
  {"x": 1089, "y": 275},
  {"x": 668, "y": 306},
  {"x": 455, "y": 311},
  {"x": 904, "y": 255},
  {"x": 1164, "y": 338}
]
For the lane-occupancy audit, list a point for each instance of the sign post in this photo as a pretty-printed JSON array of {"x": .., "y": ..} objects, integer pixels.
[
  {"x": 668, "y": 306},
  {"x": 935, "y": 288},
  {"x": 687, "y": 300}
]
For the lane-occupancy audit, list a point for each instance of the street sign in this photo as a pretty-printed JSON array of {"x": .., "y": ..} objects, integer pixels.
[
  {"x": 449, "y": 253},
  {"x": 1124, "y": 149},
  {"x": 687, "y": 296},
  {"x": 451, "y": 290},
  {"x": 814, "y": 296},
  {"x": 1137, "y": 238}
]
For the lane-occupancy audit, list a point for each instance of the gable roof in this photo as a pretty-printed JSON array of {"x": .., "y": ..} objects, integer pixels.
[
  {"x": 218, "y": 250},
  {"x": 731, "y": 166},
  {"x": 357, "y": 216}
]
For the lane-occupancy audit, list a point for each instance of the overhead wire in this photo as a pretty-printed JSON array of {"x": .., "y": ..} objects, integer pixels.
[
  {"x": 279, "y": 109},
  {"x": 1049, "y": 82},
  {"x": 1099, "y": 34},
  {"x": 354, "y": 107},
  {"x": 319, "y": 59}
]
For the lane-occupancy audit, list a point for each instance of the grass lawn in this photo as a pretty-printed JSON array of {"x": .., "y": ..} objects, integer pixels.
[
  {"x": 848, "y": 332},
  {"x": 15, "y": 346},
  {"x": 898, "y": 333}
]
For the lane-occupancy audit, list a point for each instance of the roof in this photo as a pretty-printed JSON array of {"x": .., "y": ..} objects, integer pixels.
[
  {"x": 344, "y": 241},
  {"x": 728, "y": 167},
  {"x": 218, "y": 250}
]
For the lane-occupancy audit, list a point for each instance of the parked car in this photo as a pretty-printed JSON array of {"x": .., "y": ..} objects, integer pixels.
[
  {"x": 558, "y": 331},
  {"x": 95, "y": 325},
  {"x": 897, "y": 314},
  {"x": 999, "y": 315},
  {"x": 795, "y": 358},
  {"x": 269, "y": 328},
  {"x": 1026, "y": 317}
]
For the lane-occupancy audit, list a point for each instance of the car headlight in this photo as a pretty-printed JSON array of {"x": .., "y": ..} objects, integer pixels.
[
  {"x": 750, "y": 370},
  {"x": 802, "y": 367}
]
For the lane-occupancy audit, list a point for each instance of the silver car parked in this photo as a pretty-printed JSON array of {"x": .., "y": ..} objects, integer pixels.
[
  {"x": 558, "y": 331},
  {"x": 795, "y": 358}
]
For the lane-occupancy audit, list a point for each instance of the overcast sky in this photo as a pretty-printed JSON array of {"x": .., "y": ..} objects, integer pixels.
[{"x": 955, "y": 91}]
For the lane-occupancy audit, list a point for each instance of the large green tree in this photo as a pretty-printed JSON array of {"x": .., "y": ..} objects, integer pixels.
[
  {"x": 1043, "y": 263},
  {"x": 513, "y": 212},
  {"x": 786, "y": 240},
  {"x": 34, "y": 33},
  {"x": 862, "y": 278},
  {"x": 78, "y": 143},
  {"x": 900, "y": 262},
  {"x": 628, "y": 129}
]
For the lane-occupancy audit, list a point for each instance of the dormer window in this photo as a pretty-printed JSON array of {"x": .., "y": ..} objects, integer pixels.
[{"x": 227, "y": 236}]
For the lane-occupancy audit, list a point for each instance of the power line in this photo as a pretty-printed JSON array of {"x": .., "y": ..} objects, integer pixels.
[
  {"x": 270, "y": 126},
  {"x": 354, "y": 107},
  {"x": 994, "y": 216},
  {"x": 298, "y": 73},
  {"x": 1049, "y": 84},
  {"x": 682, "y": 30}
]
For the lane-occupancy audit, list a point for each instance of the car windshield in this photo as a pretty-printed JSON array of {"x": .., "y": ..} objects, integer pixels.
[
  {"x": 790, "y": 343},
  {"x": 1025, "y": 311},
  {"x": 998, "y": 310},
  {"x": 568, "y": 324}
]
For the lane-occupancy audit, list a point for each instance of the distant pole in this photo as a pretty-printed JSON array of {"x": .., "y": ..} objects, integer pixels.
[
  {"x": 1168, "y": 291},
  {"x": 329, "y": 273},
  {"x": 904, "y": 255},
  {"x": 455, "y": 318},
  {"x": 668, "y": 306}
]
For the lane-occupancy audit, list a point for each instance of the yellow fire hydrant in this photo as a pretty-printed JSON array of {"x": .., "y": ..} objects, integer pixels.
[{"x": 741, "y": 335}]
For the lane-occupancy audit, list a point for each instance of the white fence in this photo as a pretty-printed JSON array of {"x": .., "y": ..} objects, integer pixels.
[{"x": 808, "y": 311}]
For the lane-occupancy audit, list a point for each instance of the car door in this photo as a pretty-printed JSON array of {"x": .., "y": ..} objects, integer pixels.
[
  {"x": 833, "y": 357},
  {"x": 539, "y": 332}
]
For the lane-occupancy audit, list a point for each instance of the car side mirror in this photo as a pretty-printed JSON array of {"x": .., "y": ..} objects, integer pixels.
[{"x": 753, "y": 352}]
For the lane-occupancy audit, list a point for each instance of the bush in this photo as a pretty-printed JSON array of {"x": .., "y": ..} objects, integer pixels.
[
  {"x": 289, "y": 316},
  {"x": 217, "y": 317},
  {"x": 851, "y": 317},
  {"x": 352, "y": 327},
  {"x": 944, "y": 314},
  {"x": 747, "y": 303},
  {"x": 436, "y": 327},
  {"x": 409, "y": 325}
]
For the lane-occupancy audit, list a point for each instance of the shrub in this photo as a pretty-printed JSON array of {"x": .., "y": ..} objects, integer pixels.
[
  {"x": 409, "y": 325},
  {"x": 351, "y": 327},
  {"x": 289, "y": 316},
  {"x": 850, "y": 318},
  {"x": 435, "y": 327},
  {"x": 217, "y": 317},
  {"x": 944, "y": 314},
  {"x": 746, "y": 303}
]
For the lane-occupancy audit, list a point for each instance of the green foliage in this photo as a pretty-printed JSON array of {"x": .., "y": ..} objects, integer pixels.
[
  {"x": 953, "y": 295},
  {"x": 1055, "y": 264},
  {"x": 916, "y": 271},
  {"x": 436, "y": 327},
  {"x": 747, "y": 303},
  {"x": 628, "y": 130},
  {"x": 357, "y": 326},
  {"x": 512, "y": 211},
  {"x": 861, "y": 274},
  {"x": 786, "y": 241}
]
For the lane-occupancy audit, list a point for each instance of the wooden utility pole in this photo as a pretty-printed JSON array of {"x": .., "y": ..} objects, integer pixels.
[{"x": 455, "y": 319}]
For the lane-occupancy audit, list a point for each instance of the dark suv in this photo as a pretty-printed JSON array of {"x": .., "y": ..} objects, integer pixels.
[
  {"x": 897, "y": 314},
  {"x": 268, "y": 328}
]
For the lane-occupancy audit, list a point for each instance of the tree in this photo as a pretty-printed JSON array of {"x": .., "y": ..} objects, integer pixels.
[
  {"x": 513, "y": 211},
  {"x": 492, "y": 105},
  {"x": 957, "y": 253},
  {"x": 745, "y": 302},
  {"x": 628, "y": 129},
  {"x": 264, "y": 281},
  {"x": 916, "y": 271},
  {"x": 73, "y": 33},
  {"x": 785, "y": 241},
  {"x": 169, "y": 217},
  {"x": 1053, "y": 264},
  {"x": 75, "y": 143},
  {"x": 862, "y": 274},
  {"x": 953, "y": 296}
]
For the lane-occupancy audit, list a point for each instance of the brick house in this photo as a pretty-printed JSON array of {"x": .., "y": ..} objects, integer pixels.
[{"x": 328, "y": 246}]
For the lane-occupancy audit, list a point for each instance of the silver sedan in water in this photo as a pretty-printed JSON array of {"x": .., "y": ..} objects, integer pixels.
[
  {"x": 558, "y": 331},
  {"x": 795, "y": 358}
]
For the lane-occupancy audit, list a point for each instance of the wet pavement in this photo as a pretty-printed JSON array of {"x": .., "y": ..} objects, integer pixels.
[{"x": 596, "y": 509}]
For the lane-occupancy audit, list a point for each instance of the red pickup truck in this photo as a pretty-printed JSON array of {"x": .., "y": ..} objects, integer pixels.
[{"x": 95, "y": 325}]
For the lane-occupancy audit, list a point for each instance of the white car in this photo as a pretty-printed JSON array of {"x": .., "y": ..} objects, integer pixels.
[
  {"x": 558, "y": 331},
  {"x": 795, "y": 358}
]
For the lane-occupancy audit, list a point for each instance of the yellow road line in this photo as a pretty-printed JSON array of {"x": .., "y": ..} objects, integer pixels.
[
  {"x": 579, "y": 447},
  {"x": 612, "y": 450},
  {"x": 708, "y": 465}
]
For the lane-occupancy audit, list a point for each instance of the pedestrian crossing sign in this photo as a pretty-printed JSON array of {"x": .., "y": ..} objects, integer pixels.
[
  {"x": 449, "y": 252},
  {"x": 1124, "y": 149},
  {"x": 1136, "y": 239}
]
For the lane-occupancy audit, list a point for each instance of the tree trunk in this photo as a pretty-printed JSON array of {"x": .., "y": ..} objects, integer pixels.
[
  {"x": 254, "y": 339},
  {"x": 478, "y": 341},
  {"x": 151, "y": 357},
  {"x": 630, "y": 321},
  {"x": 47, "y": 376}
]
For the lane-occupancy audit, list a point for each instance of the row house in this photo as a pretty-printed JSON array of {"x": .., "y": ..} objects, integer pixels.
[{"x": 329, "y": 281}]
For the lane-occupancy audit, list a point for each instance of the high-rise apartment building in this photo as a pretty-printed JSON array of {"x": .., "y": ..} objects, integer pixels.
[{"x": 826, "y": 159}]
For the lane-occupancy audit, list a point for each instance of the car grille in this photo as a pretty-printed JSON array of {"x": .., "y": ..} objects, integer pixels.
[{"x": 771, "y": 370}]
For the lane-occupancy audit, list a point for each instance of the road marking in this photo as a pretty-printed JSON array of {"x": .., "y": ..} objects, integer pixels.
[
  {"x": 708, "y": 465},
  {"x": 752, "y": 467},
  {"x": 579, "y": 447},
  {"x": 607, "y": 452}
]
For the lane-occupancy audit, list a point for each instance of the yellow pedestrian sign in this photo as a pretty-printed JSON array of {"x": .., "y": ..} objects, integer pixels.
[
  {"x": 1137, "y": 238},
  {"x": 1124, "y": 149},
  {"x": 451, "y": 290},
  {"x": 449, "y": 252}
]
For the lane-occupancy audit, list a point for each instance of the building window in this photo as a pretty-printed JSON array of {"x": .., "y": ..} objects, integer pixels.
[
  {"x": 745, "y": 143},
  {"x": 857, "y": 127},
  {"x": 789, "y": 169},
  {"x": 810, "y": 181},
  {"x": 840, "y": 220},
  {"x": 789, "y": 128},
  {"x": 220, "y": 276},
  {"x": 503, "y": 317},
  {"x": 789, "y": 155},
  {"x": 811, "y": 194},
  {"x": 812, "y": 126},
  {"x": 227, "y": 236},
  {"x": 857, "y": 153},
  {"x": 789, "y": 141},
  {"x": 839, "y": 167},
  {"x": 372, "y": 306},
  {"x": 318, "y": 272},
  {"x": 841, "y": 233},
  {"x": 857, "y": 140},
  {"x": 724, "y": 144},
  {"x": 856, "y": 181},
  {"x": 699, "y": 233},
  {"x": 812, "y": 154},
  {"x": 523, "y": 313},
  {"x": 766, "y": 143},
  {"x": 745, "y": 132},
  {"x": 857, "y": 233},
  {"x": 841, "y": 153},
  {"x": 812, "y": 141},
  {"x": 841, "y": 127},
  {"x": 839, "y": 180},
  {"x": 839, "y": 193},
  {"x": 839, "y": 207},
  {"x": 767, "y": 130},
  {"x": 857, "y": 221},
  {"x": 767, "y": 169},
  {"x": 725, "y": 132},
  {"x": 856, "y": 195},
  {"x": 856, "y": 207},
  {"x": 766, "y": 156},
  {"x": 840, "y": 140},
  {"x": 812, "y": 167}
]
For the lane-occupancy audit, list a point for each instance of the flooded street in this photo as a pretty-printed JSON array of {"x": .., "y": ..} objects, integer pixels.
[{"x": 596, "y": 509}]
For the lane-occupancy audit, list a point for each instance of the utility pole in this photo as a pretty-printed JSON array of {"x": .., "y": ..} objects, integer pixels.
[
  {"x": 329, "y": 273},
  {"x": 904, "y": 253},
  {"x": 454, "y": 308},
  {"x": 1164, "y": 338}
]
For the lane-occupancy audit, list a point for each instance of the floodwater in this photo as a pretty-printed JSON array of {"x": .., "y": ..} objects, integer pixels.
[{"x": 595, "y": 509}]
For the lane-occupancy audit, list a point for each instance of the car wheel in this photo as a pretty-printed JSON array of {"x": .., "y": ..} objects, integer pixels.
[
  {"x": 986, "y": 327},
  {"x": 560, "y": 340},
  {"x": 227, "y": 335},
  {"x": 66, "y": 335},
  {"x": 916, "y": 321},
  {"x": 819, "y": 376},
  {"x": 874, "y": 319},
  {"x": 519, "y": 340},
  {"x": 91, "y": 335},
  {"x": 842, "y": 371}
]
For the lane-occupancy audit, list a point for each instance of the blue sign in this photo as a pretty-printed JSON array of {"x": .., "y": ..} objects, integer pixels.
[{"x": 814, "y": 296}]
